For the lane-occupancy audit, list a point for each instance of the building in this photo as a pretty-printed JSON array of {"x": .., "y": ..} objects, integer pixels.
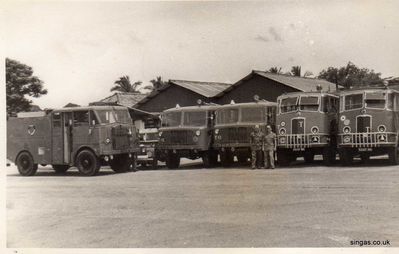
[
  {"x": 269, "y": 86},
  {"x": 182, "y": 92}
]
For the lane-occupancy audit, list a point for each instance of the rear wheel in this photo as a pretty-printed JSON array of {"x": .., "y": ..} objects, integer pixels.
[
  {"x": 87, "y": 163},
  {"x": 25, "y": 164},
  {"x": 172, "y": 160},
  {"x": 393, "y": 155},
  {"x": 226, "y": 158},
  {"x": 60, "y": 169}
]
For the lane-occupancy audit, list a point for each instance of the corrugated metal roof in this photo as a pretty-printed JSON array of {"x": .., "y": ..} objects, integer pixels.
[
  {"x": 124, "y": 99},
  {"x": 207, "y": 89},
  {"x": 300, "y": 83}
]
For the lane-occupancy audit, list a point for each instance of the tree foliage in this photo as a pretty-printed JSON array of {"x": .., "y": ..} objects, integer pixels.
[
  {"x": 157, "y": 83},
  {"x": 275, "y": 70},
  {"x": 20, "y": 83},
  {"x": 123, "y": 84},
  {"x": 350, "y": 76},
  {"x": 296, "y": 71}
]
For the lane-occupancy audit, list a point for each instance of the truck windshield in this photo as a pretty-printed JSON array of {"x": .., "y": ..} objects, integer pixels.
[
  {"x": 375, "y": 100},
  {"x": 226, "y": 116},
  {"x": 253, "y": 115},
  {"x": 195, "y": 118},
  {"x": 171, "y": 119},
  {"x": 113, "y": 116},
  {"x": 353, "y": 101},
  {"x": 309, "y": 103},
  {"x": 122, "y": 116},
  {"x": 288, "y": 104}
]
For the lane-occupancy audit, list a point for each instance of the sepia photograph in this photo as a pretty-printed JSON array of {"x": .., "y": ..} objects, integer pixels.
[{"x": 255, "y": 125}]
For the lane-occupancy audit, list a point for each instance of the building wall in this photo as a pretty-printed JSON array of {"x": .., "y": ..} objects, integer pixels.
[
  {"x": 169, "y": 97},
  {"x": 266, "y": 89}
]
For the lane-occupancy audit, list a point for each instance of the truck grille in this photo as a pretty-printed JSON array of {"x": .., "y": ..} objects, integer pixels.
[
  {"x": 298, "y": 126},
  {"x": 235, "y": 135},
  {"x": 120, "y": 138},
  {"x": 368, "y": 139},
  {"x": 363, "y": 123},
  {"x": 180, "y": 137}
]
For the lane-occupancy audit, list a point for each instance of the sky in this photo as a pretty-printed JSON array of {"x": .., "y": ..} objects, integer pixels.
[{"x": 80, "y": 49}]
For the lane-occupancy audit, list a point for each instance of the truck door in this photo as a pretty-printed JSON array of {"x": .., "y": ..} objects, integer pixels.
[
  {"x": 67, "y": 136},
  {"x": 57, "y": 139}
]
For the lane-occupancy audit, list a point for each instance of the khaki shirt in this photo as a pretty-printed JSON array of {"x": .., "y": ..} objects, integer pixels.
[
  {"x": 270, "y": 140},
  {"x": 257, "y": 140}
]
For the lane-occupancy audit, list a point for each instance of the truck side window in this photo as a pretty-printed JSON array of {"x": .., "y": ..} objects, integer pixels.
[
  {"x": 81, "y": 118},
  {"x": 56, "y": 119},
  {"x": 93, "y": 118}
]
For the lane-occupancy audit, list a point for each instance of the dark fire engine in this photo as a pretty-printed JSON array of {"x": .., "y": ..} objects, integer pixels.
[
  {"x": 369, "y": 124},
  {"x": 186, "y": 132},
  {"x": 307, "y": 125},
  {"x": 234, "y": 124},
  {"x": 85, "y": 137}
]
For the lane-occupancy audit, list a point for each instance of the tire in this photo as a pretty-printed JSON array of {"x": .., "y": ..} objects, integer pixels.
[
  {"x": 60, "y": 169},
  {"x": 172, "y": 161},
  {"x": 329, "y": 156},
  {"x": 154, "y": 163},
  {"x": 393, "y": 155},
  {"x": 283, "y": 158},
  {"x": 209, "y": 159},
  {"x": 242, "y": 158},
  {"x": 25, "y": 164},
  {"x": 345, "y": 157},
  {"x": 226, "y": 158},
  {"x": 87, "y": 163},
  {"x": 121, "y": 163},
  {"x": 308, "y": 157},
  {"x": 364, "y": 158}
]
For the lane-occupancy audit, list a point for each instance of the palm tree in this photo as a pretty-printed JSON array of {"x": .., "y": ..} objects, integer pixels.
[
  {"x": 123, "y": 84},
  {"x": 296, "y": 71},
  {"x": 157, "y": 83},
  {"x": 275, "y": 69}
]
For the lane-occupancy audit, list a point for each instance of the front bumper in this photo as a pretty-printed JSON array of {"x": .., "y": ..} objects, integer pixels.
[
  {"x": 368, "y": 139},
  {"x": 303, "y": 141}
]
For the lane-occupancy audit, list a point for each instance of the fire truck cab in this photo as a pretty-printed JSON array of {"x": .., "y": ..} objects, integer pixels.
[
  {"x": 234, "y": 124},
  {"x": 307, "y": 125},
  {"x": 186, "y": 133},
  {"x": 85, "y": 137},
  {"x": 369, "y": 124}
]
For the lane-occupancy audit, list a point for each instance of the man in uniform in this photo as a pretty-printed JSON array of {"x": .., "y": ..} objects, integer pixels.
[
  {"x": 269, "y": 147},
  {"x": 257, "y": 138}
]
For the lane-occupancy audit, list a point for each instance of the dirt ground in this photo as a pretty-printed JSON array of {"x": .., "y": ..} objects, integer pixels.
[{"x": 297, "y": 206}]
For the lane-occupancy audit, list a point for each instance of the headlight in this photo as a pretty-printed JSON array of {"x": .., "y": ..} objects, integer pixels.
[
  {"x": 347, "y": 129},
  {"x": 160, "y": 133},
  {"x": 282, "y": 140},
  {"x": 198, "y": 132},
  {"x": 143, "y": 150},
  {"x": 382, "y": 128},
  {"x": 107, "y": 141},
  {"x": 314, "y": 129},
  {"x": 195, "y": 139},
  {"x": 347, "y": 139},
  {"x": 282, "y": 131},
  {"x": 216, "y": 131},
  {"x": 149, "y": 154},
  {"x": 282, "y": 124}
]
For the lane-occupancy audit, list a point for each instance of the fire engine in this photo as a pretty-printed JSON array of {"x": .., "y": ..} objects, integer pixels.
[
  {"x": 306, "y": 126},
  {"x": 234, "y": 124},
  {"x": 85, "y": 137},
  {"x": 186, "y": 133},
  {"x": 369, "y": 124}
]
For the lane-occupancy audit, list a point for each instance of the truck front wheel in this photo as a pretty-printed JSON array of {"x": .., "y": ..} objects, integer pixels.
[
  {"x": 87, "y": 163},
  {"x": 172, "y": 160},
  {"x": 25, "y": 164},
  {"x": 122, "y": 163},
  {"x": 393, "y": 155}
]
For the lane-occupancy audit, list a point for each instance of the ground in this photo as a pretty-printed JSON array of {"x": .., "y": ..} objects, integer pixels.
[{"x": 297, "y": 206}]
